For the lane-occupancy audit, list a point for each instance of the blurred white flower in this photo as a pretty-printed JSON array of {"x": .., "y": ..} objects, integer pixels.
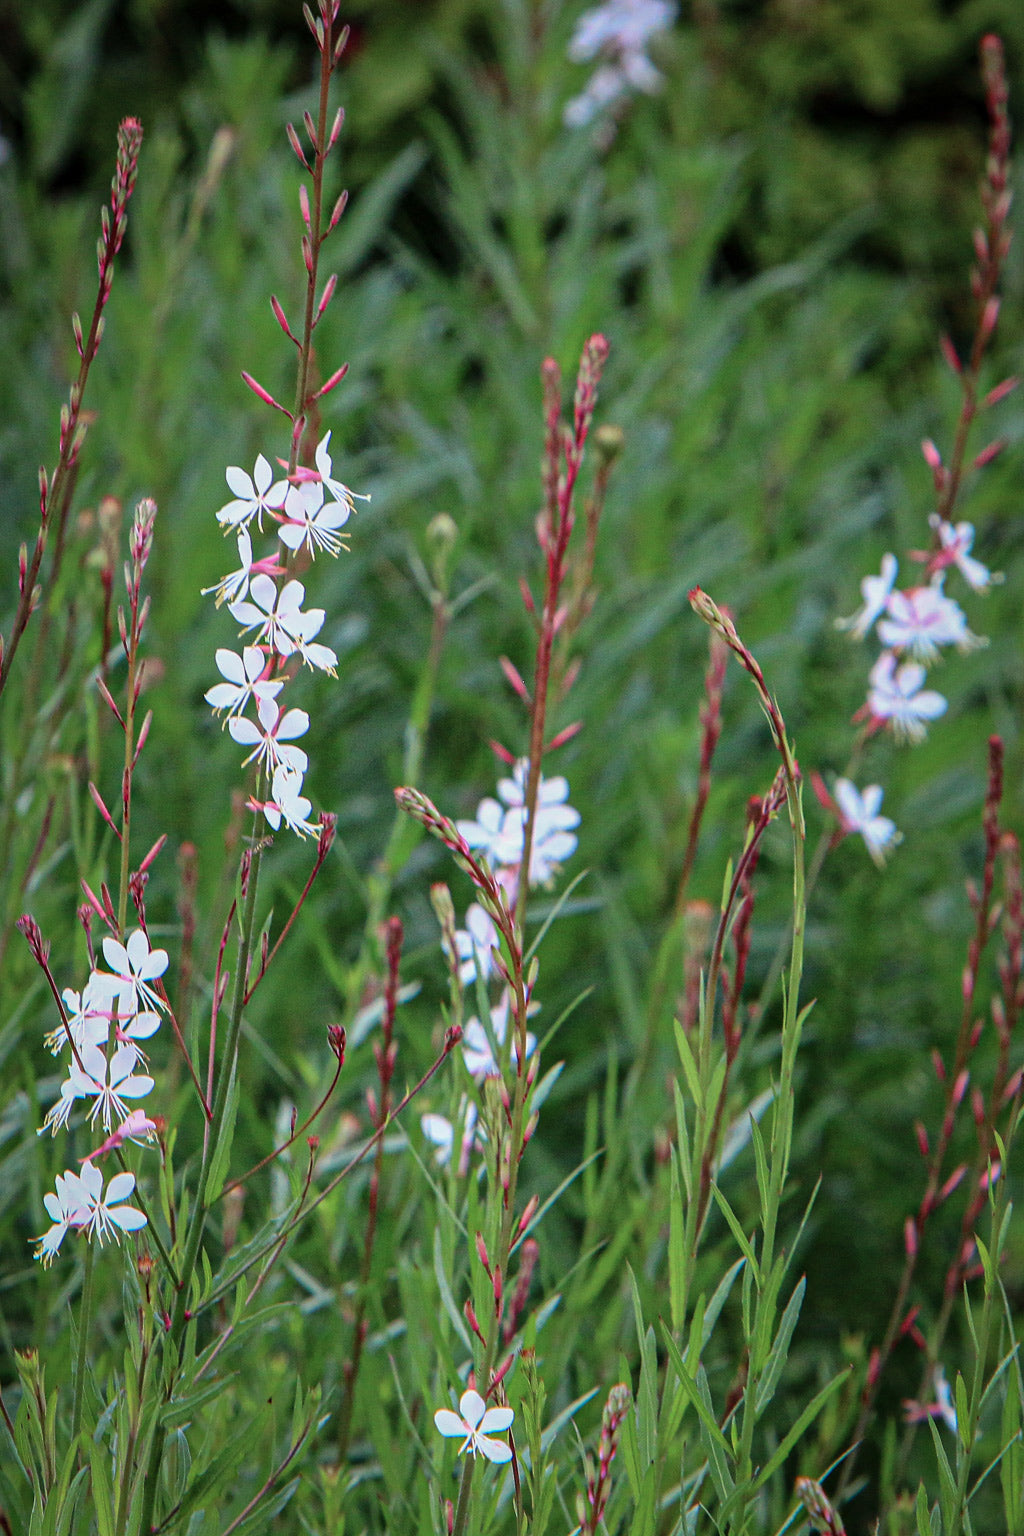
[
  {"x": 617, "y": 33},
  {"x": 896, "y": 698},
  {"x": 875, "y": 592},
  {"x": 475, "y": 945},
  {"x": 955, "y": 543},
  {"x": 859, "y": 813},
  {"x": 476, "y": 1047},
  {"x": 923, "y": 618}
]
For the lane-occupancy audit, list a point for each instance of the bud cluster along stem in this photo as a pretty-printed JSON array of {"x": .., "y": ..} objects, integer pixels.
[
  {"x": 55, "y": 489},
  {"x": 955, "y": 1076}
]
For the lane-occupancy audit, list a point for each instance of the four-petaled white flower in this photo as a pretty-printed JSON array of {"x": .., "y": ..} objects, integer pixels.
[
  {"x": 135, "y": 966},
  {"x": 254, "y": 495},
  {"x": 311, "y": 520},
  {"x": 109, "y": 1083},
  {"x": 245, "y": 680},
  {"x": 277, "y": 616},
  {"x": 270, "y": 738},
  {"x": 104, "y": 1215},
  {"x": 473, "y": 1423},
  {"x": 875, "y": 592},
  {"x": 859, "y": 813}
]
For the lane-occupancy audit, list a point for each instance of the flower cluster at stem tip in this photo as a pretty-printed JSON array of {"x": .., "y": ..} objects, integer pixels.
[
  {"x": 101, "y": 1027},
  {"x": 310, "y": 508},
  {"x": 913, "y": 624}
]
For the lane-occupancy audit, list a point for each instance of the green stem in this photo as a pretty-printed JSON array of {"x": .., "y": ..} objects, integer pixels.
[{"x": 84, "y": 1324}]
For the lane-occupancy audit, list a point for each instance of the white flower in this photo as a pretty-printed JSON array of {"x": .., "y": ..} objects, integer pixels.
[
  {"x": 245, "y": 680},
  {"x": 311, "y": 520},
  {"x": 895, "y": 697},
  {"x": 859, "y": 813},
  {"x": 288, "y": 804},
  {"x": 476, "y": 1047},
  {"x": 109, "y": 1083},
  {"x": 617, "y": 31},
  {"x": 875, "y": 592},
  {"x": 69, "y": 1206},
  {"x": 475, "y": 945},
  {"x": 233, "y": 587},
  {"x": 619, "y": 25},
  {"x": 254, "y": 495},
  {"x": 104, "y": 1215},
  {"x": 499, "y": 834},
  {"x": 955, "y": 543},
  {"x": 922, "y": 619},
  {"x": 131, "y": 1031},
  {"x": 277, "y": 616},
  {"x": 473, "y": 1423},
  {"x": 88, "y": 1018},
  {"x": 484, "y": 832},
  {"x": 135, "y": 966},
  {"x": 269, "y": 739},
  {"x": 441, "y": 1133}
]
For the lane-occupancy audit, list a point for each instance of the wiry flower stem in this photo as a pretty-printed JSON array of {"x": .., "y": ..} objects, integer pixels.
[{"x": 54, "y": 491}]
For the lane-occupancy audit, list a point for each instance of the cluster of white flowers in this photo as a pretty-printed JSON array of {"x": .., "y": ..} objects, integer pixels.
[
  {"x": 498, "y": 832},
  {"x": 105, "y": 1022},
  {"x": 913, "y": 624},
  {"x": 616, "y": 33},
  {"x": 309, "y": 509}
]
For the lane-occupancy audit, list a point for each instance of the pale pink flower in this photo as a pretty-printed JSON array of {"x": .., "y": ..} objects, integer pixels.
[
  {"x": 108, "y": 1083},
  {"x": 473, "y": 1423},
  {"x": 922, "y": 619},
  {"x": 440, "y": 1132}
]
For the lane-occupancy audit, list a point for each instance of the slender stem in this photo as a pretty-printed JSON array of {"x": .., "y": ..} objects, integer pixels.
[{"x": 84, "y": 1327}]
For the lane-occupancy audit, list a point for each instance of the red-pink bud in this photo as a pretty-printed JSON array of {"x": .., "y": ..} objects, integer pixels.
[
  {"x": 293, "y": 140},
  {"x": 910, "y": 1236},
  {"x": 1000, "y": 392},
  {"x": 950, "y": 354},
  {"x": 987, "y": 454}
]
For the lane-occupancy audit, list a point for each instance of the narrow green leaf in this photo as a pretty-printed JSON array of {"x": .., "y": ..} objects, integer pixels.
[
  {"x": 738, "y": 1233},
  {"x": 806, "y": 1418},
  {"x": 780, "y": 1349}
]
